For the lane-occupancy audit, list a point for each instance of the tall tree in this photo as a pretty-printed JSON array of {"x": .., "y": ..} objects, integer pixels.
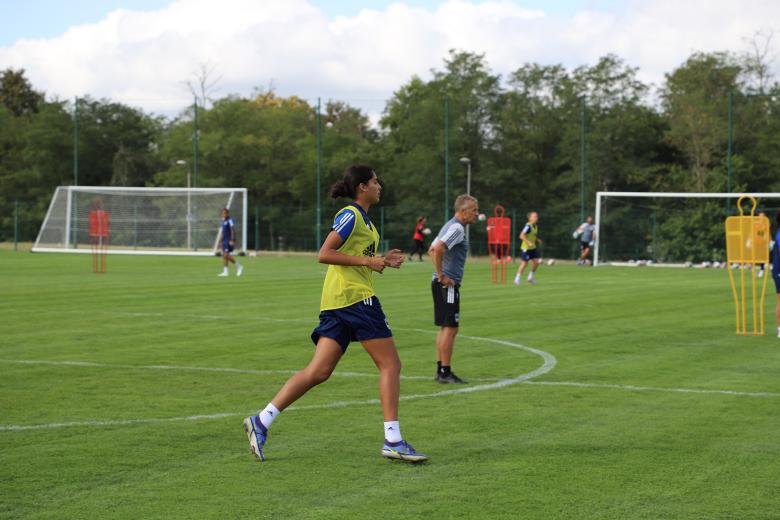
[
  {"x": 17, "y": 94},
  {"x": 117, "y": 144},
  {"x": 695, "y": 102}
]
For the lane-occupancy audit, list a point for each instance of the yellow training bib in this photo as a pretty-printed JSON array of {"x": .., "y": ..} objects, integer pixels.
[
  {"x": 345, "y": 285},
  {"x": 530, "y": 238}
]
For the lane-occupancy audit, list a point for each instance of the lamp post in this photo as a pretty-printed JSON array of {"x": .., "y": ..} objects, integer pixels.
[
  {"x": 467, "y": 162},
  {"x": 182, "y": 162},
  {"x": 318, "y": 233}
]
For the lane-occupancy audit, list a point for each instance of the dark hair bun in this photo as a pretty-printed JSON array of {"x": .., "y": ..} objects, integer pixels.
[
  {"x": 339, "y": 189},
  {"x": 353, "y": 177}
]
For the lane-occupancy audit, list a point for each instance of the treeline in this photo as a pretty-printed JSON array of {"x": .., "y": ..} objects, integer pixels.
[{"x": 529, "y": 136}]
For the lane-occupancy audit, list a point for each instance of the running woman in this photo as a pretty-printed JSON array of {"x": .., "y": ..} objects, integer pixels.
[{"x": 349, "y": 311}]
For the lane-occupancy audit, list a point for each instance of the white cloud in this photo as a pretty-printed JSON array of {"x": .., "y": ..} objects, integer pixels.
[{"x": 143, "y": 58}]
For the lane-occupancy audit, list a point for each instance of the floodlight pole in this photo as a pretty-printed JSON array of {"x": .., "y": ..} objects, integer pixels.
[
  {"x": 75, "y": 176},
  {"x": 195, "y": 139},
  {"x": 76, "y": 142},
  {"x": 583, "y": 161},
  {"x": 182, "y": 162},
  {"x": 195, "y": 154},
  {"x": 729, "y": 151},
  {"x": 467, "y": 162},
  {"x": 446, "y": 158},
  {"x": 319, "y": 196}
]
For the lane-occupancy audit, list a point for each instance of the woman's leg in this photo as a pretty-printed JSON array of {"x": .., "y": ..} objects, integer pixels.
[
  {"x": 326, "y": 356},
  {"x": 521, "y": 268},
  {"x": 385, "y": 357}
]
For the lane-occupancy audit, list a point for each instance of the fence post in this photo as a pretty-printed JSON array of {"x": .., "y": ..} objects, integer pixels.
[
  {"x": 135, "y": 223},
  {"x": 16, "y": 224},
  {"x": 655, "y": 249},
  {"x": 382, "y": 240},
  {"x": 514, "y": 228},
  {"x": 257, "y": 229}
]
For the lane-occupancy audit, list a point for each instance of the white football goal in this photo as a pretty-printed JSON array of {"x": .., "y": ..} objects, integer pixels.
[
  {"x": 161, "y": 221},
  {"x": 668, "y": 228}
]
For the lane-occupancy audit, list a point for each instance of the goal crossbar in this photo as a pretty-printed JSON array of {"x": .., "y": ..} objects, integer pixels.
[
  {"x": 143, "y": 221},
  {"x": 680, "y": 195}
]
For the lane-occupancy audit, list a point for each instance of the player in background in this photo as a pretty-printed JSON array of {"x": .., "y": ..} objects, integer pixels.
[
  {"x": 418, "y": 237},
  {"x": 775, "y": 259},
  {"x": 227, "y": 238},
  {"x": 448, "y": 252},
  {"x": 529, "y": 253},
  {"x": 586, "y": 233},
  {"x": 349, "y": 311}
]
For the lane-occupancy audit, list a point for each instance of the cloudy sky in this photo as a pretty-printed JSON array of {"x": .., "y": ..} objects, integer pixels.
[{"x": 141, "y": 52}]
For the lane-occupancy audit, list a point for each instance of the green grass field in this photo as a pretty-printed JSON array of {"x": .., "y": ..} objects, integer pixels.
[{"x": 112, "y": 404}]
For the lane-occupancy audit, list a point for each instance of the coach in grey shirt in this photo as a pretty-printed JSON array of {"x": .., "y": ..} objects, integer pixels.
[{"x": 448, "y": 252}]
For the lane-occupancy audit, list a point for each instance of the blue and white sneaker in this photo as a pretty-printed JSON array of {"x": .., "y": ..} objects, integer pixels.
[
  {"x": 402, "y": 451},
  {"x": 257, "y": 434}
]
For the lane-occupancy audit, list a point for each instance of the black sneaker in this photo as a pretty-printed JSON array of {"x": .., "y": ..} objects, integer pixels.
[{"x": 450, "y": 378}]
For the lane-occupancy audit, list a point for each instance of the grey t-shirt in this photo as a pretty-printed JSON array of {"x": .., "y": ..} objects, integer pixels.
[
  {"x": 587, "y": 232},
  {"x": 453, "y": 234}
]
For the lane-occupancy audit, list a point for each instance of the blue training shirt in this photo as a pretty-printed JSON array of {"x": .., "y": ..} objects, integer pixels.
[
  {"x": 227, "y": 226},
  {"x": 345, "y": 221}
]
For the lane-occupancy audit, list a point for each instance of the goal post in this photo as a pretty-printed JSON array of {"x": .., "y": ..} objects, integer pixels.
[
  {"x": 626, "y": 225},
  {"x": 143, "y": 221}
]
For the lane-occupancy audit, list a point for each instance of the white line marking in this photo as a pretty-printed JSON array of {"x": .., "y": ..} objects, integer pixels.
[
  {"x": 203, "y": 369},
  {"x": 118, "y": 422},
  {"x": 549, "y": 364},
  {"x": 654, "y": 389}
]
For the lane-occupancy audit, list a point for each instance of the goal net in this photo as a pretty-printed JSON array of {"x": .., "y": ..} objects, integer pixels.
[
  {"x": 173, "y": 221},
  {"x": 668, "y": 228}
]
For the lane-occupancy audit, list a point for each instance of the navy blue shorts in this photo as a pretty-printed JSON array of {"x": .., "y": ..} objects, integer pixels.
[
  {"x": 359, "y": 322},
  {"x": 530, "y": 254},
  {"x": 776, "y": 277},
  {"x": 227, "y": 248}
]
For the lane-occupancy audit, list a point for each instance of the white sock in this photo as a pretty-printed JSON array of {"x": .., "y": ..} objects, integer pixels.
[
  {"x": 269, "y": 415},
  {"x": 517, "y": 277},
  {"x": 238, "y": 265},
  {"x": 393, "y": 431},
  {"x": 778, "y": 332},
  {"x": 531, "y": 275},
  {"x": 224, "y": 269}
]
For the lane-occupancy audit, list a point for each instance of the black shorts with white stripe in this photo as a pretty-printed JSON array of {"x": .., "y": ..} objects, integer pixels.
[{"x": 446, "y": 304}]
